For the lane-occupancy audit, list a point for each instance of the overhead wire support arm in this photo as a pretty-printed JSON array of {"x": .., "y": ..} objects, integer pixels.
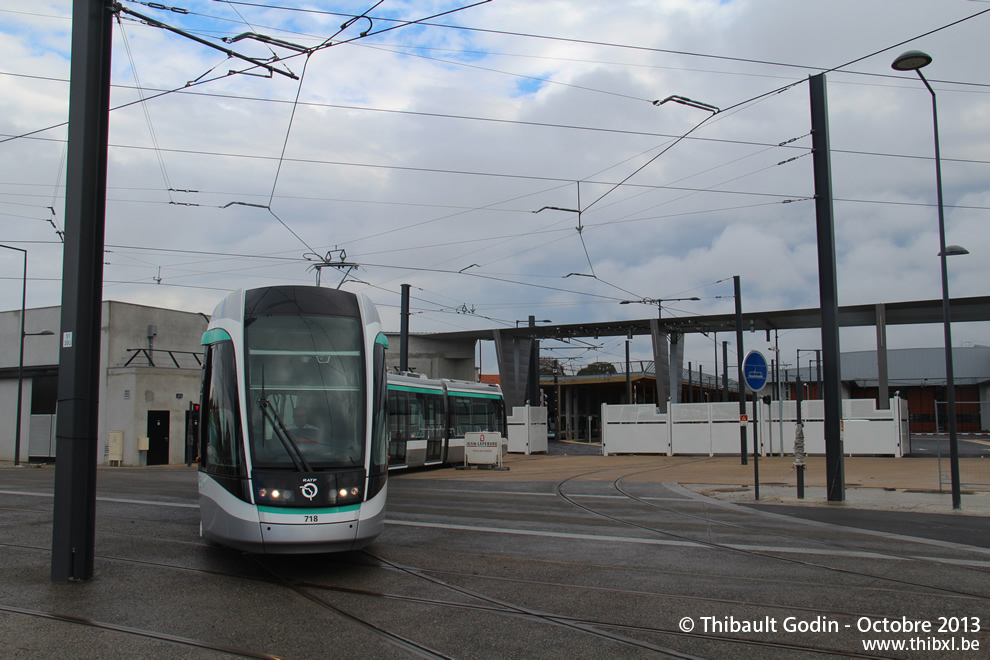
[
  {"x": 683, "y": 100},
  {"x": 265, "y": 39},
  {"x": 117, "y": 8}
]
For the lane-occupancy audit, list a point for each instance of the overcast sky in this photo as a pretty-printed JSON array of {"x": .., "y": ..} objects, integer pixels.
[{"x": 423, "y": 151}]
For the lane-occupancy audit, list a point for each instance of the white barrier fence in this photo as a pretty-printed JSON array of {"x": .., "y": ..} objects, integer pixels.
[
  {"x": 527, "y": 430},
  {"x": 713, "y": 428}
]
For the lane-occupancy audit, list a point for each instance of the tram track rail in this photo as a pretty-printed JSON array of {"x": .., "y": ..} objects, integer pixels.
[
  {"x": 612, "y": 631},
  {"x": 791, "y": 537},
  {"x": 583, "y": 624},
  {"x": 489, "y": 604},
  {"x": 176, "y": 640},
  {"x": 570, "y": 499}
]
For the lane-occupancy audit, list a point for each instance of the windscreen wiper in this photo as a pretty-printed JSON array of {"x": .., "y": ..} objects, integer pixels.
[{"x": 291, "y": 448}]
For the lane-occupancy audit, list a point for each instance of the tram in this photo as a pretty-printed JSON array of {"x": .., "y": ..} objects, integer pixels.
[
  {"x": 293, "y": 432},
  {"x": 428, "y": 418}
]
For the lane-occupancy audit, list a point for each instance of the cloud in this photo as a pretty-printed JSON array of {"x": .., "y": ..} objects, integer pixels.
[{"x": 425, "y": 150}]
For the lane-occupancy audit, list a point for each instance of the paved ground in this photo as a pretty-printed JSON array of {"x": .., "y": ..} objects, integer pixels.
[{"x": 562, "y": 556}]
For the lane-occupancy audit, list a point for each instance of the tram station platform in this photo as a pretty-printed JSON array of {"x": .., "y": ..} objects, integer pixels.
[{"x": 516, "y": 563}]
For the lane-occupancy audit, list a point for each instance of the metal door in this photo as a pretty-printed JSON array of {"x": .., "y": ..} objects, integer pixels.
[{"x": 158, "y": 421}]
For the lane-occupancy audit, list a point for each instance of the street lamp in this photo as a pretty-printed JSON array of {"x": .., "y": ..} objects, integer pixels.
[
  {"x": 914, "y": 60},
  {"x": 20, "y": 362}
]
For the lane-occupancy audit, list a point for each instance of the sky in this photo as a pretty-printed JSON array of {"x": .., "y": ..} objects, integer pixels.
[{"x": 420, "y": 148}]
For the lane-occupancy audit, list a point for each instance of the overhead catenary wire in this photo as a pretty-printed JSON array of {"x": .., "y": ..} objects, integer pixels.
[
  {"x": 273, "y": 198},
  {"x": 617, "y": 131},
  {"x": 590, "y": 42},
  {"x": 145, "y": 108}
]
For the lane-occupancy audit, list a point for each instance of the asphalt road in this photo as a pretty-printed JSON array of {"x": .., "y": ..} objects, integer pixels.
[{"x": 600, "y": 565}]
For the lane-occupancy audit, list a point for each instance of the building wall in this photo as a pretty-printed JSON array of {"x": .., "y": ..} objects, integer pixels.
[
  {"x": 134, "y": 391},
  {"x": 124, "y": 327},
  {"x": 8, "y": 417},
  {"x": 435, "y": 358}
]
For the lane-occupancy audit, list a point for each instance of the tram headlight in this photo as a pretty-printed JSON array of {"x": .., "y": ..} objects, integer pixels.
[
  {"x": 276, "y": 496},
  {"x": 349, "y": 488}
]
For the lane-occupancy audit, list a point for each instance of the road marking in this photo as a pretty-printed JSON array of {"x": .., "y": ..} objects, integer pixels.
[
  {"x": 684, "y": 544},
  {"x": 119, "y": 500}
]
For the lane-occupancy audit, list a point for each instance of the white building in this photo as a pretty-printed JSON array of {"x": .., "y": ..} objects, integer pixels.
[{"x": 149, "y": 377}]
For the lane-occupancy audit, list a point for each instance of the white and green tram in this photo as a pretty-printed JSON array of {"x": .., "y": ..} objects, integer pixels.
[
  {"x": 293, "y": 431},
  {"x": 428, "y": 418}
]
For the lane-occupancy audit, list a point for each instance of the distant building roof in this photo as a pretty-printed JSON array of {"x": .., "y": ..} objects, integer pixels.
[{"x": 918, "y": 366}]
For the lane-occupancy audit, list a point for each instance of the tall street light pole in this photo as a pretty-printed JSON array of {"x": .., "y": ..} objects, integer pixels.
[
  {"x": 20, "y": 360},
  {"x": 20, "y": 367},
  {"x": 914, "y": 60}
]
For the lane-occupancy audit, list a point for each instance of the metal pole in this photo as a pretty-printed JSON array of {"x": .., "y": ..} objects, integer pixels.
[
  {"x": 950, "y": 382},
  {"x": 756, "y": 444},
  {"x": 828, "y": 291},
  {"x": 780, "y": 392},
  {"x": 534, "y": 367},
  {"x": 20, "y": 367},
  {"x": 404, "y": 328},
  {"x": 628, "y": 375},
  {"x": 883, "y": 389},
  {"x": 715, "y": 370},
  {"x": 77, "y": 427},
  {"x": 739, "y": 360},
  {"x": 20, "y": 362},
  {"x": 773, "y": 371},
  {"x": 818, "y": 373},
  {"x": 661, "y": 360},
  {"x": 725, "y": 371},
  {"x": 556, "y": 389},
  {"x": 799, "y": 431}
]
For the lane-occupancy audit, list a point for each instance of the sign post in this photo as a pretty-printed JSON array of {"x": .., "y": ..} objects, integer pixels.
[{"x": 755, "y": 374}]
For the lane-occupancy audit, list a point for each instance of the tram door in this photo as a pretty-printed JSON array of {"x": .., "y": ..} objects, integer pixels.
[
  {"x": 433, "y": 426},
  {"x": 158, "y": 421}
]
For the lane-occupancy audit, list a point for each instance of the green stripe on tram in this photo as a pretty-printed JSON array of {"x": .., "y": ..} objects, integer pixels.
[
  {"x": 476, "y": 395},
  {"x": 296, "y": 511},
  {"x": 428, "y": 390},
  {"x": 406, "y": 388},
  {"x": 214, "y": 335}
]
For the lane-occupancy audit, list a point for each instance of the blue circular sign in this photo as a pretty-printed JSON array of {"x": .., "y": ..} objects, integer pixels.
[{"x": 755, "y": 371}]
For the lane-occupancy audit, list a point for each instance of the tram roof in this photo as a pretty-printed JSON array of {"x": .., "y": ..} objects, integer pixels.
[{"x": 897, "y": 313}]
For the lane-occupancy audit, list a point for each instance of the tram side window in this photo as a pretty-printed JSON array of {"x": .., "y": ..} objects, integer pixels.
[
  {"x": 379, "y": 432},
  {"x": 397, "y": 413},
  {"x": 470, "y": 414},
  {"x": 223, "y": 454},
  {"x": 475, "y": 414},
  {"x": 415, "y": 415}
]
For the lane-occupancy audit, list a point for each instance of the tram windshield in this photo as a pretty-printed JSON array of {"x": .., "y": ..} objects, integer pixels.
[{"x": 307, "y": 384}]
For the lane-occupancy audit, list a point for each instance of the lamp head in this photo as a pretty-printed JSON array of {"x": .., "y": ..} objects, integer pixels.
[
  {"x": 954, "y": 251},
  {"x": 911, "y": 60}
]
